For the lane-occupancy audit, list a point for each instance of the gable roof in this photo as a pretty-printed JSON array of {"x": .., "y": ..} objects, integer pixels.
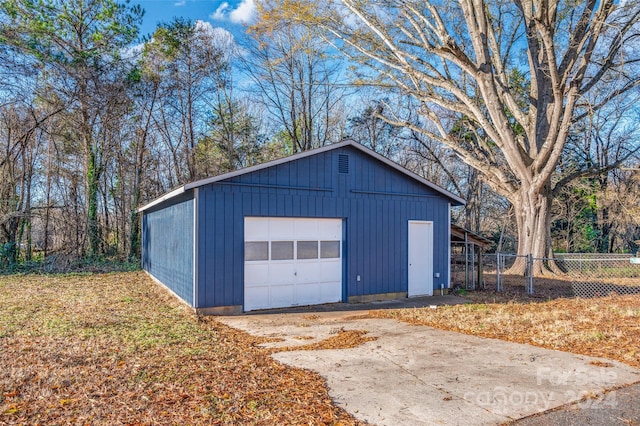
[{"x": 457, "y": 201}]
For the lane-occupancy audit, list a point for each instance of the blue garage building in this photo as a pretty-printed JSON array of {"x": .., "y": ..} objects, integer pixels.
[{"x": 336, "y": 224}]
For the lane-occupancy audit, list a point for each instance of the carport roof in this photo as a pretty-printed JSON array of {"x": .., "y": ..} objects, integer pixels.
[
  {"x": 458, "y": 234},
  {"x": 454, "y": 199}
]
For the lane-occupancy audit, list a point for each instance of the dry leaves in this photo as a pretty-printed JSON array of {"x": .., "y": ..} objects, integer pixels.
[
  {"x": 607, "y": 327},
  {"x": 341, "y": 339},
  {"x": 117, "y": 349}
]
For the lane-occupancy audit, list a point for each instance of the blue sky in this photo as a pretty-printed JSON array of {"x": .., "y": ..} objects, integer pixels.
[{"x": 228, "y": 14}]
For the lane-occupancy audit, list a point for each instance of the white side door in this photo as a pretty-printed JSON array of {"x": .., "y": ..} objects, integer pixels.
[{"x": 420, "y": 258}]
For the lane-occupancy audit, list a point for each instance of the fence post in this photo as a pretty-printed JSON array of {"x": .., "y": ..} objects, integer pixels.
[
  {"x": 466, "y": 262},
  {"x": 498, "y": 272},
  {"x": 473, "y": 267},
  {"x": 530, "y": 277}
]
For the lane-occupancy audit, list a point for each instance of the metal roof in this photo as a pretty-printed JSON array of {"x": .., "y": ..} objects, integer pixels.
[
  {"x": 457, "y": 201},
  {"x": 458, "y": 236}
]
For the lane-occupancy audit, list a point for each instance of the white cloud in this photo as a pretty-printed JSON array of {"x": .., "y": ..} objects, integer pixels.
[
  {"x": 180, "y": 3},
  {"x": 244, "y": 13},
  {"x": 208, "y": 29},
  {"x": 220, "y": 12},
  {"x": 219, "y": 37},
  {"x": 132, "y": 52}
]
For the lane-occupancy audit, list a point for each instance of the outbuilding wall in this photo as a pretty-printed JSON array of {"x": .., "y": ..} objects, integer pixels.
[
  {"x": 168, "y": 245},
  {"x": 374, "y": 200}
]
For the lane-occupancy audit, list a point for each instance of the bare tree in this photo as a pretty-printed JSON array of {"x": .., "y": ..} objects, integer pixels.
[
  {"x": 189, "y": 59},
  {"x": 77, "y": 42},
  {"x": 516, "y": 74},
  {"x": 367, "y": 128},
  {"x": 296, "y": 76},
  {"x": 233, "y": 140},
  {"x": 144, "y": 88},
  {"x": 16, "y": 169}
]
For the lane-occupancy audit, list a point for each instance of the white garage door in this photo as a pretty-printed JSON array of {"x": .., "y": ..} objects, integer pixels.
[{"x": 291, "y": 262}]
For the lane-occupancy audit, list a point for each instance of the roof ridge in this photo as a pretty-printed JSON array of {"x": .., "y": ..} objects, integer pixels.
[{"x": 297, "y": 156}]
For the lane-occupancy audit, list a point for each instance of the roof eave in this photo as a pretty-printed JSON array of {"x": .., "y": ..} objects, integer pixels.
[{"x": 165, "y": 197}]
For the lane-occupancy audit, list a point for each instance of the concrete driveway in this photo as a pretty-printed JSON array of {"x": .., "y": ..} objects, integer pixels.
[{"x": 417, "y": 375}]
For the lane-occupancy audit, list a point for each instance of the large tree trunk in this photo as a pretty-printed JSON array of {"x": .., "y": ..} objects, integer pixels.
[
  {"x": 474, "y": 200},
  {"x": 533, "y": 219}
]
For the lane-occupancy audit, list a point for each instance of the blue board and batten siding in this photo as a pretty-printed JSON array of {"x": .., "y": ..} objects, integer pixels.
[
  {"x": 374, "y": 200},
  {"x": 168, "y": 245}
]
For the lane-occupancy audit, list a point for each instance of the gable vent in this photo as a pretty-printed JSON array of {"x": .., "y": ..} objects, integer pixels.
[{"x": 343, "y": 163}]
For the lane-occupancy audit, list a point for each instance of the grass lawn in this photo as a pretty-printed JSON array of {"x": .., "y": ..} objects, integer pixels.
[
  {"x": 118, "y": 349},
  {"x": 606, "y": 327}
]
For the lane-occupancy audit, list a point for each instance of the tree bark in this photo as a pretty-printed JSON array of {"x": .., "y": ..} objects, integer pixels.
[{"x": 533, "y": 219}]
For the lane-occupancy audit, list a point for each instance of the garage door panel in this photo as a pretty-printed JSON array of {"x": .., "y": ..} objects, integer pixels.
[
  {"x": 330, "y": 271},
  {"x": 309, "y": 294},
  {"x": 282, "y": 295},
  {"x": 280, "y": 229},
  {"x": 289, "y": 278},
  {"x": 330, "y": 229},
  {"x": 306, "y": 229},
  {"x": 281, "y": 273},
  {"x": 256, "y": 274},
  {"x": 330, "y": 292},
  {"x": 256, "y": 229},
  {"x": 308, "y": 272},
  {"x": 256, "y": 297}
]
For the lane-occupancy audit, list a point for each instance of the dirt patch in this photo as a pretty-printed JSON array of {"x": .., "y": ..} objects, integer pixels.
[{"x": 514, "y": 289}]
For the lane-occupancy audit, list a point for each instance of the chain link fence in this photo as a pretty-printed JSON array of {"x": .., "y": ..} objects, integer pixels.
[
  {"x": 473, "y": 271},
  {"x": 568, "y": 275},
  {"x": 464, "y": 271},
  {"x": 597, "y": 275}
]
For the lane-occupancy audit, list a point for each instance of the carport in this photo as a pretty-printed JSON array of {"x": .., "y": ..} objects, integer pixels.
[{"x": 467, "y": 249}]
